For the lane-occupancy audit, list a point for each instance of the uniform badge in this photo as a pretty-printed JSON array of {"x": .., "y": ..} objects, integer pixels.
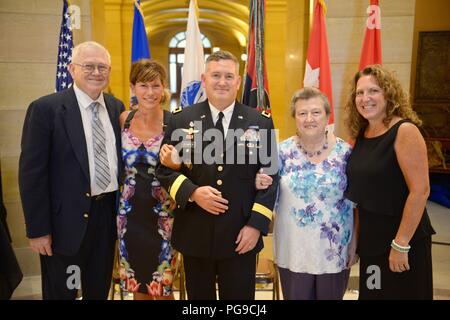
[
  {"x": 251, "y": 137},
  {"x": 190, "y": 133}
]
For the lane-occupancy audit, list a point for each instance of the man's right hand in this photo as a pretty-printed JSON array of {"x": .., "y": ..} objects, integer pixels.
[
  {"x": 210, "y": 199},
  {"x": 42, "y": 245}
]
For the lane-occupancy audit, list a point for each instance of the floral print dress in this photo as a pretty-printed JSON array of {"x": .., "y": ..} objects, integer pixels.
[
  {"x": 313, "y": 222},
  {"x": 147, "y": 260}
]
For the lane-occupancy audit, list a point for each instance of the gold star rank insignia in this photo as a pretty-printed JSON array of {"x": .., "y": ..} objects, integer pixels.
[
  {"x": 266, "y": 114},
  {"x": 177, "y": 110}
]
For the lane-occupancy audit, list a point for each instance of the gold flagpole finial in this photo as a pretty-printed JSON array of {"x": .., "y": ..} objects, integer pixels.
[
  {"x": 197, "y": 11},
  {"x": 322, "y": 3},
  {"x": 138, "y": 6}
]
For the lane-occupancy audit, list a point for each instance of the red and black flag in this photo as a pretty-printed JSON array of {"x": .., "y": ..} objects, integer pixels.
[{"x": 256, "y": 89}]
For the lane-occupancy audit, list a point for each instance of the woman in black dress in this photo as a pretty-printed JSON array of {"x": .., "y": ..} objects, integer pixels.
[{"x": 388, "y": 180}]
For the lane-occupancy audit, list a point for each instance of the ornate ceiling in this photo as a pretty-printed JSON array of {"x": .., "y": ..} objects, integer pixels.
[{"x": 221, "y": 18}]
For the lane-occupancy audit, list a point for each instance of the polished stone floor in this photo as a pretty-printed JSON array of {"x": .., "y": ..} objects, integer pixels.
[{"x": 440, "y": 218}]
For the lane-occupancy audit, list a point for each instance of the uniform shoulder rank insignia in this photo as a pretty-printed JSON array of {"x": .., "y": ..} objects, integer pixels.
[
  {"x": 177, "y": 110},
  {"x": 266, "y": 114}
]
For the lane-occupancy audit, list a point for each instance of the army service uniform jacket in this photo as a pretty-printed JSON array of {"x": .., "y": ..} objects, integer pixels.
[{"x": 197, "y": 232}]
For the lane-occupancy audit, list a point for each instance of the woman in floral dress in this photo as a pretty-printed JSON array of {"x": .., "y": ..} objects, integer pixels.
[
  {"x": 147, "y": 260},
  {"x": 314, "y": 244}
]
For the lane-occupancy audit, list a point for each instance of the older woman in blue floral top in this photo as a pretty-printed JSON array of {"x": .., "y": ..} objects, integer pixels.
[{"x": 314, "y": 242}]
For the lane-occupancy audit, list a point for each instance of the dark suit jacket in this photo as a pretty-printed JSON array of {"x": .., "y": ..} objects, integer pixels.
[
  {"x": 201, "y": 234},
  {"x": 54, "y": 170}
]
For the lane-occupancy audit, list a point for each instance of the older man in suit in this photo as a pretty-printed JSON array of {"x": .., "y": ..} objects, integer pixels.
[
  {"x": 221, "y": 217},
  {"x": 68, "y": 179}
]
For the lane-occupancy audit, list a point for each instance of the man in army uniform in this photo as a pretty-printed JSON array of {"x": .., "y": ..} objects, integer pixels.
[{"x": 221, "y": 217}]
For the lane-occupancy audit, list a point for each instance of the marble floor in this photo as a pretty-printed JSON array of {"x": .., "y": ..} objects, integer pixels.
[{"x": 29, "y": 288}]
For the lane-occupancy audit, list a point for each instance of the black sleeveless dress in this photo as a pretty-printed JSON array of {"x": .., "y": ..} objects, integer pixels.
[
  {"x": 147, "y": 259},
  {"x": 377, "y": 185}
]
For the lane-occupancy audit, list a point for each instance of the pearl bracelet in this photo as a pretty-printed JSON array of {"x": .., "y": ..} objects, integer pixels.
[{"x": 399, "y": 248}]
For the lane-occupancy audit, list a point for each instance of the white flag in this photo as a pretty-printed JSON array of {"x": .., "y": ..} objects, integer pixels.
[{"x": 194, "y": 61}]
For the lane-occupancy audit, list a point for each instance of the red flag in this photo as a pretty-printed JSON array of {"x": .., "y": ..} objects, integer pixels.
[
  {"x": 256, "y": 88},
  {"x": 371, "y": 49},
  {"x": 318, "y": 72}
]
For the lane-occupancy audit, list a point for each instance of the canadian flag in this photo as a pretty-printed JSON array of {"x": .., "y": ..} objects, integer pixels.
[
  {"x": 318, "y": 73},
  {"x": 371, "y": 49}
]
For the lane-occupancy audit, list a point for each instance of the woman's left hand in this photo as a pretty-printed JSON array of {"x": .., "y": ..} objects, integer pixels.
[
  {"x": 352, "y": 256},
  {"x": 169, "y": 157},
  {"x": 398, "y": 261},
  {"x": 262, "y": 180}
]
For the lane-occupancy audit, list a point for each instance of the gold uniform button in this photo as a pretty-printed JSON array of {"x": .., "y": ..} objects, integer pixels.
[
  {"x": 219, "y": 168},
  {"x": 219, "y": 182},
  {"x": 86, "y": 215},
  {"x": 88, "y": 194}
]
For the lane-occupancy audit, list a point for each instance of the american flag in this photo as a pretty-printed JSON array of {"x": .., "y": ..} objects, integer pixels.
[{"x": 63, "y": 78}]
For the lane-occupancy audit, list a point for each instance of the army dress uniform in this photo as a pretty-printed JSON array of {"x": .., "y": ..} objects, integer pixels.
[{"x": 200, "y": 234}]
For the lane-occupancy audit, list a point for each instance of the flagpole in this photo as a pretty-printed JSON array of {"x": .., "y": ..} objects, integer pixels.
[
  {"x": 259, "y": 47},
  {"x": 250, "y": 26}
]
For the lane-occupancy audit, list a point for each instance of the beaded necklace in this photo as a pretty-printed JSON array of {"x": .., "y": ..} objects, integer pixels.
[{"x": 311, "y": 154}]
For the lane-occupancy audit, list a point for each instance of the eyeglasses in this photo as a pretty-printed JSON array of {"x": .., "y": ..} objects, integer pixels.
[{"x": 90, "y": 68}]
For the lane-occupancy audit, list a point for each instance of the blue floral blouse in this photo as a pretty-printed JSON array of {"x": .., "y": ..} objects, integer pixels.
[{"x": 313, "y": 222}]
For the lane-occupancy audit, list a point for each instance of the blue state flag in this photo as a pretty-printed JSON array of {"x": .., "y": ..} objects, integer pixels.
[
  {"x": 139, "y": 47},
  {"x": 139, "y": 42},
  {"x": 63, "y": 77}
]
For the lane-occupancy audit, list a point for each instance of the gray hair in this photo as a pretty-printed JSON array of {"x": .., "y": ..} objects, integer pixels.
[
  {"x": 309, "y": 93},
  {"x": 223, "y": 55},
  {"x": 89, "y": 44}
]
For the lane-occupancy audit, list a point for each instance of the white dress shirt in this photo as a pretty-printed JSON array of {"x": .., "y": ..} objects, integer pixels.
[
  {"x": 227, "y": 114},
  {"x": 84, "y": 101}
]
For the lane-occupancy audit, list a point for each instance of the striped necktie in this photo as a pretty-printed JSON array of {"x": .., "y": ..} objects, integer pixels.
[{"x": 102, "y": 174}]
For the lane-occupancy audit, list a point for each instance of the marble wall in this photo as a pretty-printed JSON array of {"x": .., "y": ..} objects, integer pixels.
[
  {"x": 346, "y": 27},
  {"x": 297, "y": 34},
  {"x": 29, "y": 32},
  {"x": 275, "y": 48}
]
